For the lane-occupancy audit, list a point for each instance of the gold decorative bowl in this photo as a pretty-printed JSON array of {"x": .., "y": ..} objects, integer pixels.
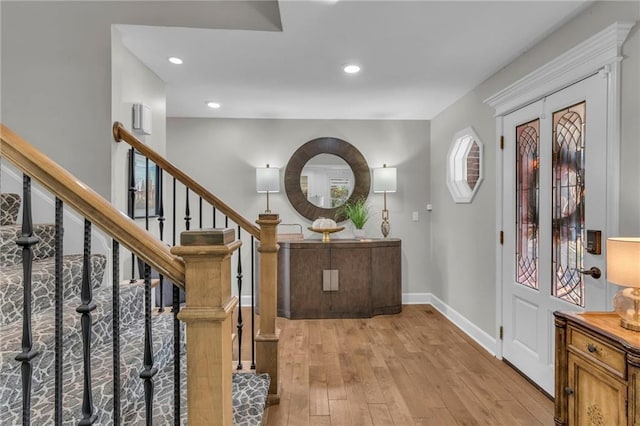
[{"x": 325, "y": 232}]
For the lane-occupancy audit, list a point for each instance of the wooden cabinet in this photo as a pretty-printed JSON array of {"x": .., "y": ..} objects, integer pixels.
[
  {"x": 368, "y": 280},
  {"x": 597, "y": 369}
]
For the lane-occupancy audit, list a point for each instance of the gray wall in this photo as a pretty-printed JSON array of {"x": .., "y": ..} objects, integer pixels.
[
  {"x": 222, "y": 154},
  {"x": 56, "y": 69},
  {"x": 132, "y": 82},
  {"x": 464, "y": 235}
]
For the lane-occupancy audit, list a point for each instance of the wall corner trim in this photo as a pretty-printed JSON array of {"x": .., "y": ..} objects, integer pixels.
[{"x": 583, "y": 60}]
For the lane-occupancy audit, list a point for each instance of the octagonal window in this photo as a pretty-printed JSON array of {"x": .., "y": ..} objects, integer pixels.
[{"x": 464, "y": 166}]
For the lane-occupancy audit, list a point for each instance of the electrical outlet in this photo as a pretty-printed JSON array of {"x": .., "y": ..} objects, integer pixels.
[{"x": 415, "y": 216}]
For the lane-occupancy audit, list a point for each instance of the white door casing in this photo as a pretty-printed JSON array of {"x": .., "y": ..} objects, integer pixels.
[{"x": 601, "y": 54}]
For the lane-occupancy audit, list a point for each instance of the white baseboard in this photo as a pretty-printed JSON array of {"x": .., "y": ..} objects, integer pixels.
[
  {"x": 488, "y": 342},
  {"x": 416, "y": 298},
  {"x": 245, "y": 301}
]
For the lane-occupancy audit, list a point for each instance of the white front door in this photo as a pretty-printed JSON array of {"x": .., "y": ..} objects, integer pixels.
[{"x": 554, "y": 190}]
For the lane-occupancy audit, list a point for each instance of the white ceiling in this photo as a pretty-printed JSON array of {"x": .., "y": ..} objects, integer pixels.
[{"x": 417, "y": 57}]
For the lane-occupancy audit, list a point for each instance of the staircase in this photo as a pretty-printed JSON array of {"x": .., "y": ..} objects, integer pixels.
[{"x": 249, "y": 390}]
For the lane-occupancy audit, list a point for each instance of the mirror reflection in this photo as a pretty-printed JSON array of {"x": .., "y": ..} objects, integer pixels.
[{"x": 327, "y": 181}]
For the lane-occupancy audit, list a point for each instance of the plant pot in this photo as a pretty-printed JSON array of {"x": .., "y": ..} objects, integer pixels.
[{"x": 358, "y": 233}]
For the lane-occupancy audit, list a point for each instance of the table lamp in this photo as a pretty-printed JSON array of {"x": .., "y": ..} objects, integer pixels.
[
  {"x": 623, "y": 269},
  {"x": 267, "y": 180},
  {"x": 384, "y": 180}
]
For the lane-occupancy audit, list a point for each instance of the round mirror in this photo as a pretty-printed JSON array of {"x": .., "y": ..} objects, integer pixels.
[
  {"x": 346, "y": 177},
  {"x": 327, "y": 181}
]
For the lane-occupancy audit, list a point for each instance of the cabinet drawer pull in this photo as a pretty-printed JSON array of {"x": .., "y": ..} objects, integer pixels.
[
  {"x": 592, "y": 348},
  {"x": 568, "y": 390}
]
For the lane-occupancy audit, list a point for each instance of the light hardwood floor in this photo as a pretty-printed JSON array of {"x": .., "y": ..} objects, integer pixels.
[{"x": 414, "y": 368}]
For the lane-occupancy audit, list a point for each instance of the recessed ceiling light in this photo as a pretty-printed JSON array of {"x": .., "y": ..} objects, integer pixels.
[
  {"x": 352, "y": 69},
  {"x": 213, "y": 105},
  {"x": 175, "y": 60}
]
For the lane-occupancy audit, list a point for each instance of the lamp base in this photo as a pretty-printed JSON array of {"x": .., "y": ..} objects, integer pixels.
[
  {"x": 629, "y": 325},
  {"x": 385, "y": 227},
  {"x": 626, "y": 303}
]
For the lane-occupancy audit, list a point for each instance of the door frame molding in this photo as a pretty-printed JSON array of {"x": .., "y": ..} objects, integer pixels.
[{"x": 599, "y": 54}]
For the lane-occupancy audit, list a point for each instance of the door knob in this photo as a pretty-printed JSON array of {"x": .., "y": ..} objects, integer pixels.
[
  {"x": 594, "y": 271},
  {"x": 568, "y": 390}
]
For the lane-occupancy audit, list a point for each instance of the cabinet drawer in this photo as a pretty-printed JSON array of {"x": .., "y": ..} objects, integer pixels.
[{"x": 592, "y": 347}]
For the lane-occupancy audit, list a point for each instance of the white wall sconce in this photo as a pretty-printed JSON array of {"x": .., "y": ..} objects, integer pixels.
[
  {"x": 385, "y": 180},
  {"x": 267, "y": 180},
  {"x": 141, "y": 118}
]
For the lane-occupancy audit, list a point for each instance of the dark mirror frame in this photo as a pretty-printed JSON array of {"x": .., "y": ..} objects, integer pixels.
[{"x": 325, "y": 145}]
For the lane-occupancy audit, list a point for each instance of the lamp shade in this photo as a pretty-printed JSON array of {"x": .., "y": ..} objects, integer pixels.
[
  {"x": 623, "y": 261},
  {"x": 384, "y": 179},
  {"x": 267, "y": 179}
]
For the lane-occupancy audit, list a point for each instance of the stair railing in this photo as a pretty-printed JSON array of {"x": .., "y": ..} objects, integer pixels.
[
  {"x": 263, "y": 342},
  {"x": 155, "y": 254},
  {"x": 99, "y": 212}
]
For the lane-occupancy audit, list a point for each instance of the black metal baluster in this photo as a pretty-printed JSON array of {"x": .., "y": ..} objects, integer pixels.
[
  {"x": 253, "y": 304},
  {"x": 148, "y": 369},
  {"x": 26, "y": 240},
  {"x": 58, "y": 312},
  {"x": 132, "y": 201},
  {"x": 146, "y": 193},
  {"x": 176, "y": 329},
  {"x": 85, "y": 309},
  {"x": 115, "y": 261},
  {"x": 200, "y": 211},
  {"x": 161, "y": 230},
  {"x": 187, "y": 218},
  {"x": 214, "y": 216},
  {"x": 240, "y": 324},
  {"x": 173, "y": 213},
  {"x": 226, "y": 221}
]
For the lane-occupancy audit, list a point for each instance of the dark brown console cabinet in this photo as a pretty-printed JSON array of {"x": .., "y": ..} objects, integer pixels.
[{"x": 339, "y": 279}]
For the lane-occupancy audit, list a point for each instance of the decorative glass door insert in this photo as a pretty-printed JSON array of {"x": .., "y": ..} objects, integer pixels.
[
  {"x": 568, "y": 189},
  {"x": 567, "y": 203},
  {"x": 527, "y": 198}
]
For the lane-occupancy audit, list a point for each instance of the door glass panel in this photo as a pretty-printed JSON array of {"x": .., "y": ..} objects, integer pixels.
[
  {"x": 527, "y": 197},
  {"x": 568, "y": 203}
]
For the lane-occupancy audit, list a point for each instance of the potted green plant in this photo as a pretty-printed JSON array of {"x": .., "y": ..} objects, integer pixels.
[{"x": 357, "y": 212}]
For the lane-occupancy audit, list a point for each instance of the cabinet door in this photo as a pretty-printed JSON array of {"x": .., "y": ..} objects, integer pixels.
[
  {"x": 307, "y": 298},
  {"x": 598, "y": 398},
  {"x": 354, "y": 294}
]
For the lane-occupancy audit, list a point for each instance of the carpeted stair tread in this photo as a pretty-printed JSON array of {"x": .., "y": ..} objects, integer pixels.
[
  {"x": 43, "y": 328},
  {"x": 43, "y": 284},
  {"x": 132, "y": 387},
  {"x": 249, "y": 391},
  {"x": 9, "y": 208},
  {"x": 163, "y": 398},
  {"x": 11, "y": 253}
]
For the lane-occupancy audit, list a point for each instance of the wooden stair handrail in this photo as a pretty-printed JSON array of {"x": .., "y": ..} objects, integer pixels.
[
  {"x": 90, "y": 205},
  {"x": 122, "y": 134}
]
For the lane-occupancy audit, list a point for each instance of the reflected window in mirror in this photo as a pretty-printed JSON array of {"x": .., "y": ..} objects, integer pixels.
[{"x": 327, "y": 181}]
